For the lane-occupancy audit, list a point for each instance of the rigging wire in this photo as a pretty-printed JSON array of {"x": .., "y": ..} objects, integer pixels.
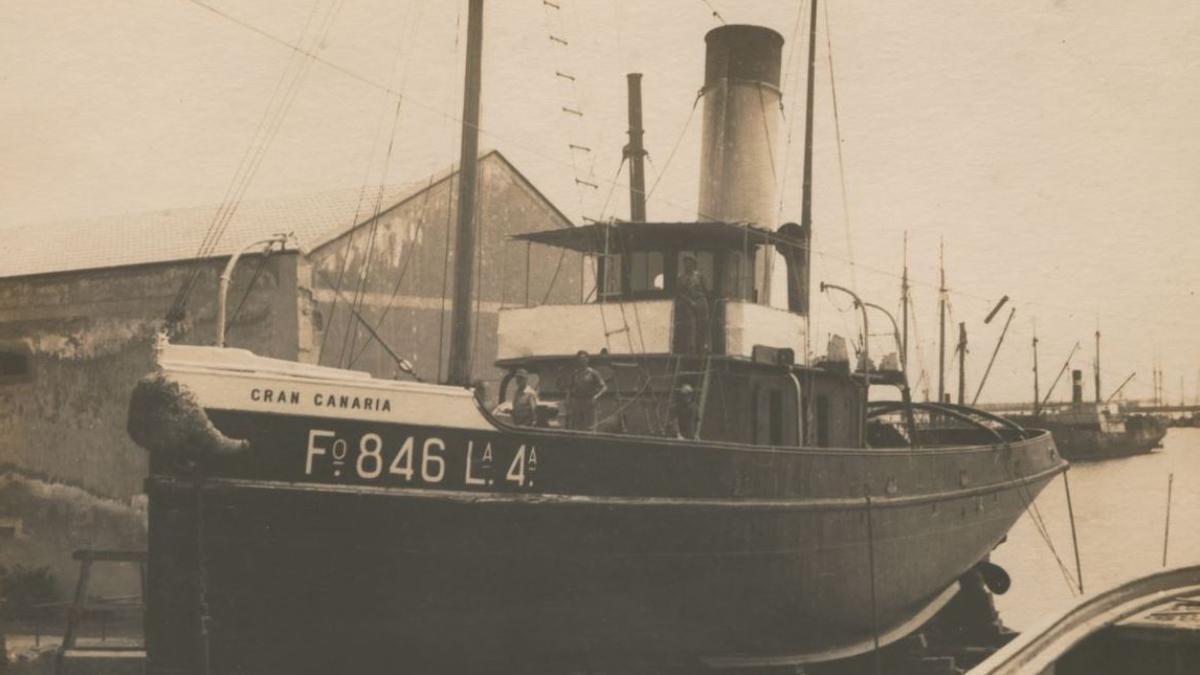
[
  {"x": 612, "y": 189},
  {"x": 275, "y": 119},
  {"x": 923, "y": 379},
  {"x": 451, "y": 193},
  {"x": 445, "y": 272},
  {"x": 792, "y": 76},
  {"x": 837, "y": 127},
  {"x": 291, "y": 91},
  {"x": 716, "y": 15},
  {"x": 360, "y": 296},
  {"x": 411, "y": 251},
  {"x": 767, "y": 140},
  {"x": 265, "y": 131},
  {"x": 362, "y": 196},
  {"x": 308, "y": 53},
  {"x": 674, "y": 148},
  {"x": 1035, "y": 516},
  {"x": 562, "y": 253},
  {"x": 227, "y": 199}
]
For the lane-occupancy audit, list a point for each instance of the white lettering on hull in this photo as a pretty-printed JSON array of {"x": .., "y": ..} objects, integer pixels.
[{"x": 327, "y": 453}]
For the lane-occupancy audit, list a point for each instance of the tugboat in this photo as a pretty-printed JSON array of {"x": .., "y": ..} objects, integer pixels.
[{"x": 311, "y": 519}]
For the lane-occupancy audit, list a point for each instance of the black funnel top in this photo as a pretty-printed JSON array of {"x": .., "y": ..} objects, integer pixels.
[{"x": 740, "y": 52}]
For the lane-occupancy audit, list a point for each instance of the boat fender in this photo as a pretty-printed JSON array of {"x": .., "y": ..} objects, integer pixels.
[
  {"x": 164, "y": 417},
  {"x": 994, "y": 577}
]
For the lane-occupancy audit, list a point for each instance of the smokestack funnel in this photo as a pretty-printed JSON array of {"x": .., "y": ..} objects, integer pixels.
[
  {"x": 741, "y": 121},
  {"x": 1077, "y": 387}
]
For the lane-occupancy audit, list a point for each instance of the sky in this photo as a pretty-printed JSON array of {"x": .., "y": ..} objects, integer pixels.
[{"x": 1052, "y": 145}]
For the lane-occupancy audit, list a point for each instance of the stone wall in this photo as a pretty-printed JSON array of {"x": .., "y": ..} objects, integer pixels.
[{"x": 88, "y": 337}]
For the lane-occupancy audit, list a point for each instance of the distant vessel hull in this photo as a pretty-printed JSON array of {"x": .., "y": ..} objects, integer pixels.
[
  {"x": 535, "y": 545},
  {"x": 1080, "y": 444}
]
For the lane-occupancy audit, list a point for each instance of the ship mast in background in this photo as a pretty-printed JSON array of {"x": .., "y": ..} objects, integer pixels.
[
  {"x": 942, "y": 324},
  {"x": 1037, "y": 395},
  {"x": 806, "y": 189},
  {"x": 962, "y": 362},
  {"x": 904, "y": 310}
]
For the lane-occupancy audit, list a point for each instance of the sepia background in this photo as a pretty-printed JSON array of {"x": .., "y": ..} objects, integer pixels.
[{"x": 1052, "y": 145}]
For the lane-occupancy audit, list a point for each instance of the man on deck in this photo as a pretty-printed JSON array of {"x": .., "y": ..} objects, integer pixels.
[
  {"x": 684, "y": 413},
  {"x": 586, "y": 386},
  {"x": 525, "y": 400}
]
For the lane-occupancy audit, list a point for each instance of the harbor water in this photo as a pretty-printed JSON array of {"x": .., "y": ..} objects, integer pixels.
[{"x": 1120, "y": 509}]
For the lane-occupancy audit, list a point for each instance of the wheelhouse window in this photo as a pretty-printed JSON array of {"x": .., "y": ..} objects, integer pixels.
[
  {"x": 14, "y": 367},
  {"x": 646, "y": 274},
  {"x": 738, "y": 281},
  {"x": 611, "y": 286}
]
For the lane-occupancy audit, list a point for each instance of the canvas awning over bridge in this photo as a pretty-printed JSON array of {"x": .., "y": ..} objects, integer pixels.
[{"x": 597, "y": 238}]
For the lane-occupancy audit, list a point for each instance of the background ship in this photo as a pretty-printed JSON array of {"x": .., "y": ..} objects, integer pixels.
[{"x": 1093, "y": 430}]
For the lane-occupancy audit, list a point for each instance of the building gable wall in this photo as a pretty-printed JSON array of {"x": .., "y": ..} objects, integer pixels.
[{"x": 405, "y": 268}]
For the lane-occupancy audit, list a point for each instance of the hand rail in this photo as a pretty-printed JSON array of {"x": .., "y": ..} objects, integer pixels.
[
  {"x": 962, "y": 413},
  {"x": 227, "y": 275}
]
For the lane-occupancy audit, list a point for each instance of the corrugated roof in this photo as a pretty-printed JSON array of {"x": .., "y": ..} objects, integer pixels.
[{"x": 176, "y": 234}]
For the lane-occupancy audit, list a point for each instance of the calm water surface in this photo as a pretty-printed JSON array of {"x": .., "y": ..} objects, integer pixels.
[{"x": 1120, "y": 512}]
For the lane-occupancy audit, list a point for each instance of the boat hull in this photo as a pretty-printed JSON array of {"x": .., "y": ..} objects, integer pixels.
[
  {"x": 1081, "y": 444},
  {"x": 636, "y": 547}
]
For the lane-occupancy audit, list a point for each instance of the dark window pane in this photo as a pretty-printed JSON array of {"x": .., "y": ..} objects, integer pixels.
[
  {"x": 14, "y": 367},
  {"x": 646, "y": 271}
]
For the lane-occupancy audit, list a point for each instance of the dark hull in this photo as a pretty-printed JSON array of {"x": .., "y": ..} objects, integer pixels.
[
  {"x": 1083, "y": 444},
  {"x": 637, "y": 547}
]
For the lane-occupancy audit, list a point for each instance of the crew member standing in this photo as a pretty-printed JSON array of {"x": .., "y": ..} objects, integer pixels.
[
  {"x": 684, "y": 413},
  {"x": 525, "y": 400},
  {"x": 691, "y": 302},
  {"x": 586, "y": 387}
]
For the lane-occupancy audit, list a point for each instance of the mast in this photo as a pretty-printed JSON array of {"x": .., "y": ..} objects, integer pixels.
[
  {"x": 464, "y": 254},
  {"x": 942, "y": 324},
  {"x": 1097, "y": 367},
  {"x": 635, "y": 152},
  {"x": 904, "y": 309},
  {"x": 806, "y": 196},
  {"x": 1037, "y": 395},
  {"x": 962, "y": 363}
]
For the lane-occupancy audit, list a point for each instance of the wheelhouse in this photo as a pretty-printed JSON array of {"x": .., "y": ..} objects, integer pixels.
[{"x": 745, "y": 359}]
